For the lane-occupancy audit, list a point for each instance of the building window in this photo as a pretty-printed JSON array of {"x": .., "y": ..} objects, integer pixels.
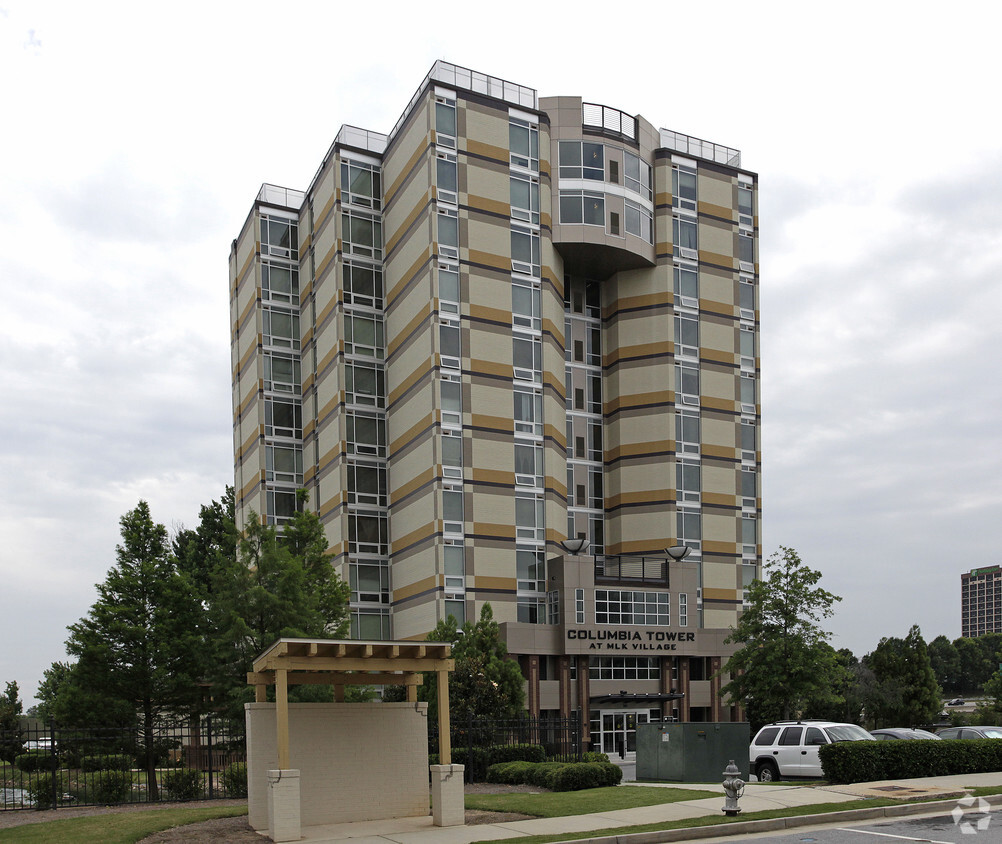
[
  {"x": 581, "y": 160},
  {"x": 582, "y": 207},
  {"x": 365, "y": 434},
  {"x": 360, "y": 184},
  {"x": 637, "y": 176},
  {"x": 687, "y": 383},
  {"x": 746, "y": 251},
  {"x": 366, "y": 484},
  {"x": 447, "y": 179},
  {"x": 283, "y": 418},
  {"x": 553, "y": 607},
  {"x": 683, "y": 609},
  {"x": 445, "y": 122},
  {"x": 525, "y": 251},
  {"x": 452, "y": 510},
  {"x": 523, "y": 141},
  {"x": 746, "y": 345},
  {"x": 687, "y": 480},
  {"x": 448, "y": 233},
  {"x": 531, "y": 609},
  {"x": 280, "y": 327},
  {"x": 456, "y": 607},
  {"x": 686, "y": 286},
  {"x": 529, "y": 517},
  {"x": 525, "y": 199},
  {"x": 448, "y": 290},
  {"x": 362, "y": 234},
  {"x": 614, "y": 606},
  {"x": 528, "y": 411},
  {"x": 284, "y": 463},
  {"x": 683, "y": 188},
  {"x": 367, "y": 534},
  {"x": 688, "y": 527},
  {"x": 684, "y": 238},
  {"x": 363, "y": 335},
  {"x": 450, "y": 344},
  {"x": 531, "y": 570},
  {"x": 747, "y": 392},
  {"x": 282, "y": 373},
  {"x": 363, "y": 285},
  {"x": 282, "y": 505},
  {"x": 529, "y": 464},
  {"x": 746, "y": 299},
  {"x": 745, "y": 213},
  {"x": 527, "y": 358},
  {"x": 452, "y": 402},
  {"x": 279, "y": 283},
  {"x": 452, "y": 454},
  {"x": 280, "y": 238},
  {"x": 749, "y": 535},
  {"x": 686, "y": 336},
  {"x": 624, "y": 668},
  {"x": 639, "y": 222},
  {"x": 371, "y": 625},
  {"x": 686, "y": 432},
  {"x": 369, "y": 581},
  {"x": 454, "y": 566},
  {"x": 525, "y": 305},
  {"x": 363, "y": 384},
  {"x": 579, "y": 609}
]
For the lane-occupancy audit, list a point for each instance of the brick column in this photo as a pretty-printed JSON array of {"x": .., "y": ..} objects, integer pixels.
[
  {"x": 564, "y": 667},
  {"x": 714, "y": 688},
  {"x": 584, "y": 701},
  {"x": 533, "y": 678},
  {"x": 683, "y": 687}
]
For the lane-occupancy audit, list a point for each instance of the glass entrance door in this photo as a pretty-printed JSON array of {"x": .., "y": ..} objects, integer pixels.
[{"x": 619, "y": 730}]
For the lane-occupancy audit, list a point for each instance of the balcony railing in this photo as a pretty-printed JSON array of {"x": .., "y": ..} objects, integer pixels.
[
  {"x": 276, "y": 195},
  {"x": 688, "y": 145}
]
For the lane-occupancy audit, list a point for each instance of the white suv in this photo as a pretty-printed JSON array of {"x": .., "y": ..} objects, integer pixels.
[{"x": 790, "y": 748}]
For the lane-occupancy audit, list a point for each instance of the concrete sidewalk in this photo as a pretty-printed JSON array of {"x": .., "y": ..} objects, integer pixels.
[{"x": 756, "y": 798}]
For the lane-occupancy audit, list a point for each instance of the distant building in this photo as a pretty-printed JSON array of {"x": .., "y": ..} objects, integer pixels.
[
  {"x": 981, "y": 601},
  {"x": 509, "y": 322}
]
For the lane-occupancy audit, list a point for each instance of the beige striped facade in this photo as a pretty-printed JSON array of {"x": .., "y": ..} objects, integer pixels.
[{"x": 510, "y": 321}]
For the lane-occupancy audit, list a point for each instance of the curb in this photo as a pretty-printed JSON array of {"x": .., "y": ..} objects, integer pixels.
[{"x": 778, "y": 824}]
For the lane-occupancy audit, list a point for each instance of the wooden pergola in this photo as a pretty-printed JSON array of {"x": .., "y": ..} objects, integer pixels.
[{"x": 340, "y": 663}]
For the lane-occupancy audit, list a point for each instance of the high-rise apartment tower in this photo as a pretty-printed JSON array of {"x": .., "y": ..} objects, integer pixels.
[
  {"x": 509, "y": 322},
  {"x": 981, "y": 601}
]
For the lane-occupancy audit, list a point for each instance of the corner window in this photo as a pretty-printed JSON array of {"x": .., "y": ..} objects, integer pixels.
[
  {"x": 360, "y": 184},
  {"x": 280, "y": 237},
  {"x": 445, "y": 122},
  {"x": 582, "y": 207},
  {"x": 362, "y": 235},
  {"x": 523, "y": 141},
  {"x": 280, "y": 327},
  {"x": 582, "y": 160},
  {"x": 363, "y": 285},
  {"x": 363, "y": 335},
  {"x": 639, "y": 222},
  {"x": 279, "y": 282},
  {"x": 637, "y": 175}
]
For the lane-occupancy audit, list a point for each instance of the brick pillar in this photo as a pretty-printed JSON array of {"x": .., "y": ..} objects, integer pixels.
[
  {"x": 564, "y": 664},
  {"x": 715, "y": 689},
  {"x": 584, "y": 701},
  {"x": 533, "y": 678},
  {"x": 683, "y": 687},
  {"x": 284, "y": 821},
  {"x": 665, "y": 686}
]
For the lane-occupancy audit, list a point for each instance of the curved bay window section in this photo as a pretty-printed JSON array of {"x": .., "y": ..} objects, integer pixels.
[{"x": 604, "y": 208}]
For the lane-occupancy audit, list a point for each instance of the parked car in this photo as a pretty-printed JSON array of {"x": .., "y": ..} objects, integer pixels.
[
  {"x": 902, "y": 733},
  {"x": 970, "y": 732},
  {"x": 790, "y": 748},
  {"x": 957, "y": 701}
]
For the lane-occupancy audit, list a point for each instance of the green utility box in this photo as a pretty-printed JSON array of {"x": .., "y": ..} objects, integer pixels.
[{"x": 690, "y": 752}]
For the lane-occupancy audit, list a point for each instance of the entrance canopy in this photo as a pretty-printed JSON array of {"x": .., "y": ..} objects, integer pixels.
[
  {"x": 638, "y": 697},
  {"x": 339, "y": 663}
]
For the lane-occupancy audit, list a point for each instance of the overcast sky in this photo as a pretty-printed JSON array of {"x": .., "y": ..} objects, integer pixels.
[{"x": 136, "y": 136}]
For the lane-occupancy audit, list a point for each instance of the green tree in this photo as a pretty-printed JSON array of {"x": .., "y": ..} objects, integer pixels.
[
  {"x": 201, "y": 552},
  {"x": 784, "y": 662},
  {"x": 141, "y": 642},
  {"x": 278, "y": 585},
  {"x": 975, "y": 667},
  {"x": 485, "y": 682},
  {"x": 910, "y": 694},
  {"x": 10, "y": 722},
  {"x": 945, "y": 662}
]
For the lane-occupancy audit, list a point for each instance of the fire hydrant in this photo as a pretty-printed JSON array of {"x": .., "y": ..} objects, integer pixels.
[{"x": 734, "y": 787}]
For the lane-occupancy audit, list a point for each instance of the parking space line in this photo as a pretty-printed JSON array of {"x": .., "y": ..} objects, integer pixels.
[{"x": 899, "y": 837}]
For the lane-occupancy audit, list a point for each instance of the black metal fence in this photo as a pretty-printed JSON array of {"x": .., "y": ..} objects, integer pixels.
[
  {"x": 478, "y": 743},
  {"x": 47, "y": 766}
]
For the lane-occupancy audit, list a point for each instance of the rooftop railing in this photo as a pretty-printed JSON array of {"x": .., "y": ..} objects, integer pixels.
[
  {"x": 276, "y": 195},
  {"x": 609, "y": 120},
  {"x": 689, "y": 145},
  {"x": 470, "y": 80},
  {"x": 353, "y": 136}
]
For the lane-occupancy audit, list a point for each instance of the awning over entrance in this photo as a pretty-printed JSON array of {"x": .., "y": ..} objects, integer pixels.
[
  {"x": 639, "y": 697},
  {"x": 339, "y": 663}
]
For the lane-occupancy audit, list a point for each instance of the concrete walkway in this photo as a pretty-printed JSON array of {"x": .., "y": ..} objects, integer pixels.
[{"x": 756, "y": 798}]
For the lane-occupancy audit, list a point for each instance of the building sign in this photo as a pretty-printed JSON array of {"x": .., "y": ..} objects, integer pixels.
[{"x": 628, "y": 641}]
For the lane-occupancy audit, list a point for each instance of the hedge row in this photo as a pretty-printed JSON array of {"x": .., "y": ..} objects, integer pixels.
[
  {"x": 867, "y": 761},
  {"x": 492, "y": 755},
  {"x": 107, "y": 762},
  {"x": 556, "y": 776}
]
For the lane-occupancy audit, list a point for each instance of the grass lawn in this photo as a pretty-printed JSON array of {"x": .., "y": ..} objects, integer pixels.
[
  {"x": 559, "y": 804},
  {"x": 120, "y": 828}
]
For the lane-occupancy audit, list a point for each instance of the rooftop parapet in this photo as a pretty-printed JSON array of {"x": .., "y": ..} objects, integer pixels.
[
  {"x": 277, "y": 195},
  {"x": 688, "y": 145},
  {"x": 353, "y": 136}
]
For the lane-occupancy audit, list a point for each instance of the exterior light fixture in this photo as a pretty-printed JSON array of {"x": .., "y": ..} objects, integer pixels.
[
  {"x": 575, "y": 546},
  {"x": 678, "y": 552}
]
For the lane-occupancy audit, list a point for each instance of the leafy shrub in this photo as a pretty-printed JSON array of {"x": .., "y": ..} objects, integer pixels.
[
  {"x": 107, "y": 762},
  {"x": 594, "y": 756},
  {"x": 235, "y": 779},
  {"x": 111, "y": 786},
  {"x": 866, "y": 761},
  {"x": 183, "y": 784},
  {"x": 517, "y": 753},
  {"x": 36, "y": 760},
  {"x": 40, "y": 790},
  {"x": 556, "y": 776}
]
